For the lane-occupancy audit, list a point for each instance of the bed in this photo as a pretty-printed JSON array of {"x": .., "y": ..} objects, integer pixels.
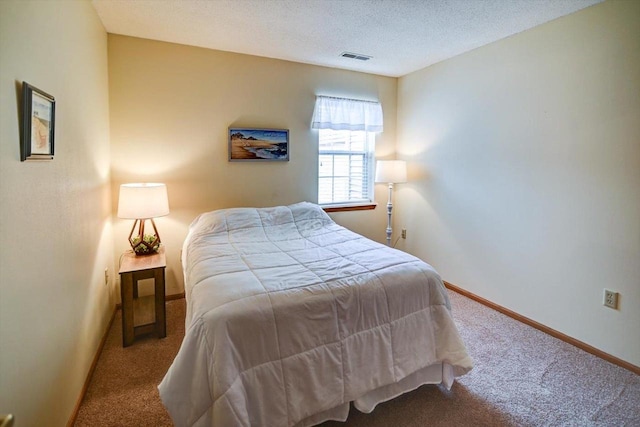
[{"x": 290, "y": 317}]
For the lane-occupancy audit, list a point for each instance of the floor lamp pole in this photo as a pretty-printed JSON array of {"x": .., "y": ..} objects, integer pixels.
[{"x": 389, "y": 208}]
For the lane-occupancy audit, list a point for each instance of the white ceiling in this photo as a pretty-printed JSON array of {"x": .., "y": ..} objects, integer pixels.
[{"x": 401, "y": 35}]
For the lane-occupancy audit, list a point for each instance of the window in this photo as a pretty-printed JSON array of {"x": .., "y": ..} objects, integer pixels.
[
  {"x": 346, "y": 136},
  {"x": 345, "y": 166}
]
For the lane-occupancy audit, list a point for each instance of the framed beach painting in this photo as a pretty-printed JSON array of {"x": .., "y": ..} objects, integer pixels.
[
  {"x": 39, "y": 116},
  {"x": 255, "y": 145}
]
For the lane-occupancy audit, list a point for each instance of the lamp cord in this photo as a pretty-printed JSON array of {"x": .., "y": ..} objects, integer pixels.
[
  {"x": 122, "y": 256},
  {"x": 396, "y": 242}
]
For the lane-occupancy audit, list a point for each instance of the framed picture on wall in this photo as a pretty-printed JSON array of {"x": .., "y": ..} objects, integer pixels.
[
  {"x": 39, "y": 116},
  {"x": 255, "y": 145}
]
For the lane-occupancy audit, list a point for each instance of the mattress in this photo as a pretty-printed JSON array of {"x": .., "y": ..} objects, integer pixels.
[{"x": 290, "y": 317}]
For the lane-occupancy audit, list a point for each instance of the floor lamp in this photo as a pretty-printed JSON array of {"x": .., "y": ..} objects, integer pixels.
[{"x": 391, "y": 172}]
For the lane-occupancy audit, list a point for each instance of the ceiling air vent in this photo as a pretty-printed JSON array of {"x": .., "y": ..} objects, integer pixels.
[{"x": 357, "y": 56}]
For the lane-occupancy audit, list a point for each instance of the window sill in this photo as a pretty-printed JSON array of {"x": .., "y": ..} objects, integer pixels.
[{"x": 350, "y": 207}]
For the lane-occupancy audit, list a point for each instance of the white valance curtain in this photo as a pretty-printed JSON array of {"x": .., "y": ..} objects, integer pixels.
[{"x": 347, "y": 114}]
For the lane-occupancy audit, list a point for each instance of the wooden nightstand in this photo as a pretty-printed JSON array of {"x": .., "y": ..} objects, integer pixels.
[{"x": 142, "y": 315}]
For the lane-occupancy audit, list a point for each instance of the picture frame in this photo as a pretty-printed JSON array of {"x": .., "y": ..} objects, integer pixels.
[
  {"x": 258, "y": 145},
  {"x": 38, "y": 117}
]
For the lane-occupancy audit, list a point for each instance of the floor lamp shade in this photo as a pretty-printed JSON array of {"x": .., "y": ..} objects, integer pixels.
[
  {"x": 391, "y": 172},
  {"x": 142, "y": 201}
]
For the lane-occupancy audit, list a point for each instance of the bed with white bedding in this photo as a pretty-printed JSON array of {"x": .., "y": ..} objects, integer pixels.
[{"x": 290, "y": 317}]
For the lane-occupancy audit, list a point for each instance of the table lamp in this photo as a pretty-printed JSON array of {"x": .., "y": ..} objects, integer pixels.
[
  {"x": 391, "y": 172},
  {"x": 142, "y": 201}
]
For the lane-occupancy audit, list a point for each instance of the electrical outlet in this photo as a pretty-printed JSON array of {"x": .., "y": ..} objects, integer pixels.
[
  {"x": 610, "y": 299},
  {"x": 404, "y": 233},
  {"x": 106, "y": 276}
]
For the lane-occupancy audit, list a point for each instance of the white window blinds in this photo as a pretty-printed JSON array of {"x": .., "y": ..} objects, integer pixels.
[{"x": 345, "y": 165}]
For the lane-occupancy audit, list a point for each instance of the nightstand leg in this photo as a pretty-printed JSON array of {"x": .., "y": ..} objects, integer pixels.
[
  {"x": 126, "y": 296},
  {"x": 161, "y": 321}
]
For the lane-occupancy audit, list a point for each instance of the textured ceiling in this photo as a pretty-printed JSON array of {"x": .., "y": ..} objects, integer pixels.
[{"x": 401, "y": 35}]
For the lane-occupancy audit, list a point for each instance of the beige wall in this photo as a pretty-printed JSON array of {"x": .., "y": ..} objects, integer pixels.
[
  {"x": 524, "y": 160},
  {"x": 171, "y": 106},
  {"x": 55, "y": 231}
]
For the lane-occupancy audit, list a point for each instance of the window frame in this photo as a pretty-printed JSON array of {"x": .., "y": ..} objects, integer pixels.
[{"x": 368, "y": 155}]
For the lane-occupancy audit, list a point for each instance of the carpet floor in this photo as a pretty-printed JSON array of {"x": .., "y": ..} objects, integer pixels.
[{"x": 522, "y": 377}]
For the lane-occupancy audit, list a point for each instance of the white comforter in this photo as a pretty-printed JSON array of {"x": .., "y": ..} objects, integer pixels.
[{"x": 291, "y": 316}]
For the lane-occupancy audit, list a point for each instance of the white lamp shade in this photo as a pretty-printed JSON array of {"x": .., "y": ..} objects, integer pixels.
[
  {"x": 143, "y": 201},
  {"x": 391, "y": 171}
]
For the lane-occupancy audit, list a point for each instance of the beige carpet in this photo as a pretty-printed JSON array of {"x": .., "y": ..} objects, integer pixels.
[
  {"x": 522, "y": 377},
  {"x": 123, "y": 389}
]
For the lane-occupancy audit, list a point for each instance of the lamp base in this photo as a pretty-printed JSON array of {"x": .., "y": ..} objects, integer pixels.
[
  {"x": 389, "y": 208},
  {"x": 144, "y": 244}
]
